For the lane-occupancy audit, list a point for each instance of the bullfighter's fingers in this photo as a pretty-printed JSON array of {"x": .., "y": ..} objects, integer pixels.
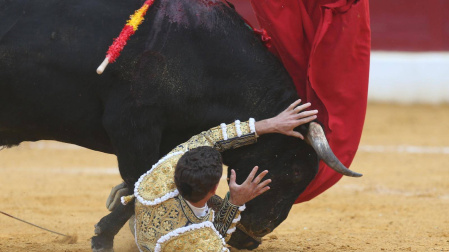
[
  {"x": 302, "y": 107},
  {"x": 250, "y": 177},
  {"x": 306, "y": 120},
  {"x": 263, "y": 184},
  {"x": 232, "y": 177},
  {"x": 297, "y": 134},
  {"x": 293, "y": 105},
  {"x": 301, "y": 121},
  {"x": 266, "y": 188},
  {"x": 260, "y": 177},
  {"x": 306, "y": 114}
]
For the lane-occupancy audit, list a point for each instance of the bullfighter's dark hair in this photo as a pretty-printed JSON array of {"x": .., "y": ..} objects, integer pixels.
[{"x": 197, "y": 172}]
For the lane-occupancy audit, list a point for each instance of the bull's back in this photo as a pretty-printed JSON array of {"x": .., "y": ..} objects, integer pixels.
[
  {"x": 49, "y": 51},
  {"x": 213, "y": 66}
]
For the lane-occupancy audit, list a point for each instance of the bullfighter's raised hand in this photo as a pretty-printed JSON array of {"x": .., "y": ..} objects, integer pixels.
[{"x": 287, "y": 120}]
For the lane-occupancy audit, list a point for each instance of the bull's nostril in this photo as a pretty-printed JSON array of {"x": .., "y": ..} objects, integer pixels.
[
  {"x": 248, "y": 245},
  {"x": 262, "y": 232}
]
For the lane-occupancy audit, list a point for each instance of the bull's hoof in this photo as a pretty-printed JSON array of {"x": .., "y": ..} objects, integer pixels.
[
  {"x": 102, "y": 243},
  {"x": 241, "y": 240}
]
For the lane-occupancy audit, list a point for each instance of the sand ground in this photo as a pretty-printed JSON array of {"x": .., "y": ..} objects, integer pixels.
[{"x": 401, "y": 203}]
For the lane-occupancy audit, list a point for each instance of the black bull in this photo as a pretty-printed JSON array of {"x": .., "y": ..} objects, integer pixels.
[{"x": 192, "y": 65}]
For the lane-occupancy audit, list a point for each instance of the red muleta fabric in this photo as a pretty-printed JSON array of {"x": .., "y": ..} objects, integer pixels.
[{"x": 325, "y": 46}]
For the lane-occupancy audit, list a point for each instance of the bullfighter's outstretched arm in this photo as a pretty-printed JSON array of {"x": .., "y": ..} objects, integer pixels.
[{"x": 236, "y": 134}]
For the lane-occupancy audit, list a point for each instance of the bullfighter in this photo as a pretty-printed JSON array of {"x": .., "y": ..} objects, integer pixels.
[{"x": 174, "y": 199}]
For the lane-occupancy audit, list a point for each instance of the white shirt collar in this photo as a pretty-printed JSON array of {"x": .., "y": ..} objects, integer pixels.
[{"x": 198, "y": 211}]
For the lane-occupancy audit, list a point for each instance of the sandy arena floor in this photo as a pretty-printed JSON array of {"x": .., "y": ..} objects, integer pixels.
[{"x": 401, "y": 203}]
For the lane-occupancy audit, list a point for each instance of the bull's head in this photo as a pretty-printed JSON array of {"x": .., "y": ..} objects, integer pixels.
[{"x": 292, "y": 165}]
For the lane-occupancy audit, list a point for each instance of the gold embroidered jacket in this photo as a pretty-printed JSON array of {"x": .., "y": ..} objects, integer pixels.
[{"x": 164, "y": 221}]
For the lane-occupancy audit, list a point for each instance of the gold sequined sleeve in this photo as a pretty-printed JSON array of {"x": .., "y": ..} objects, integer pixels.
[
  {"x": 223, "y": 137},
  {"x": 227, "y": 217},
  {"x": 233, "y": 135}
]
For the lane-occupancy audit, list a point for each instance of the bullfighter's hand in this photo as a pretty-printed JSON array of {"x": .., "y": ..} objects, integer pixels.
[
  {"x": 248, "y": 190},
  {"x": 287, "y": 120}
]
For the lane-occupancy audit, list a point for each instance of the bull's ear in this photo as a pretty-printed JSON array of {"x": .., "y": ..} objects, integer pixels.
[{"x": 230, "y": 5}]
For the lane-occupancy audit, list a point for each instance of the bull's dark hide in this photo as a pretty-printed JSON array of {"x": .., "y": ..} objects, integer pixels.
[{"x": 192, "y": 64}]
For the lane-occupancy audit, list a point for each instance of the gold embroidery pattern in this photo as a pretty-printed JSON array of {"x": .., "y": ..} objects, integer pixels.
[
  {"x": 231, "y": 129},
  {"x": 244, "y": 127},
  {"x": 214, "y": 138},
  {"x": 160, "y": 181},
  {"x": 196, "y": 141},
  {"x": 202, "y": 239},
  {"x": 223, "y": 219},
  {"x": 235, "y": 142},
  {"x": 190, "y": 215},
  {"x": 152, "y": 222}
]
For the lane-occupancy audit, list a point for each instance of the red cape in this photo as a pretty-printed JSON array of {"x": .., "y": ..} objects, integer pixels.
[{"x": 325, "y": 46}]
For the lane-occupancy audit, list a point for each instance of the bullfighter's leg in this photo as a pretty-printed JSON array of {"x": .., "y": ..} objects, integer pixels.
[{"x": 135, "y": 136}]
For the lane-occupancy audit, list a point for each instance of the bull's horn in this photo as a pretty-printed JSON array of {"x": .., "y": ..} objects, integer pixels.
[{"x": 317, "y": 139}]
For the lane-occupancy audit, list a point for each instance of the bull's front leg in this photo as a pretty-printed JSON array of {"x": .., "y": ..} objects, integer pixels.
[
  {"x": 109, "y": 226},
  {"x": 136, "y": 142}
]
